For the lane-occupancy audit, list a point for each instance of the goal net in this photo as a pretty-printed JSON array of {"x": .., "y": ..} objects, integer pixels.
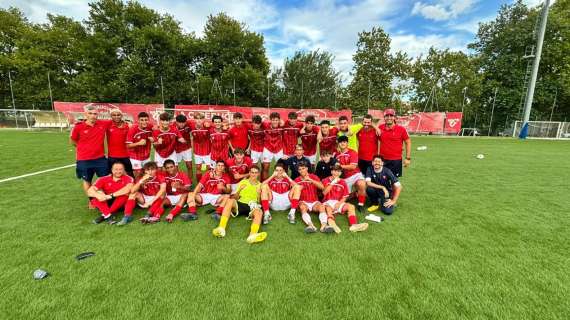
[{"x": 544, "y": 129}]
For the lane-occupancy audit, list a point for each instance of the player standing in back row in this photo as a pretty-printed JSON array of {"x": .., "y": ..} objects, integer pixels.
[
  {"x": 392, "y": 137},
  {"x": 273, "y": 144}
]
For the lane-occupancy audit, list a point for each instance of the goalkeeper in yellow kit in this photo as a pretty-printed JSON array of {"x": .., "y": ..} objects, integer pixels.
[{"x": 247, "y": 203}]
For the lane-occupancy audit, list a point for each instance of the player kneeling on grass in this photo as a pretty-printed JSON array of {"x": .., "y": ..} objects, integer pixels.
[
  {"x": 177, "y": 187},
  {"x": 247, "y": 203},
  {"x": 335, "y": 194},
  {"x": 279, "y": 193},
  {"x": 383, "y": 187},
  {"x": 148, "y": 191},
  {"x": 212, "y": 189},
  {"x": 110, "y": 193},
  {"x": 309, "y": 200}
]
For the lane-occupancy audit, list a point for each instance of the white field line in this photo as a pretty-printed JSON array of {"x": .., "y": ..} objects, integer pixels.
[{"x": 36, "y": 173}]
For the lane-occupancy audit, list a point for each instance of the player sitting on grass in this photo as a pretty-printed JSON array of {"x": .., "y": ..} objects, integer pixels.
[
  {"x": 279, "y": 193},
  {"x": 177, "y": 186},
  {"x": 148, "y": 191},
  {"x": 348, "y": 159},
  {"x": 110, "y": 193},
  {"x": 165, "y": 139},
  {"x": 212, "y": 189},
  {"x": 238, "y": 167},
  {"x": 247, "y": 203},
  {"x": 383, "y": 187},
  {"x": 309, "y": 200},
  {"x": 335, "y": 195}
]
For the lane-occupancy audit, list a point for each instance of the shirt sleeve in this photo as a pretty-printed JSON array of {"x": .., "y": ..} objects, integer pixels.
[
  {"x": 355, "y": 128},
  {"x": 368, "y": 174},
  {"x": 405, "y": 135},
  {"x": 75, "y": 133},
  {"x": 99, "y": 183},
  {"x": 353, "y": 158},
  {"x": 204, "y": 179}
]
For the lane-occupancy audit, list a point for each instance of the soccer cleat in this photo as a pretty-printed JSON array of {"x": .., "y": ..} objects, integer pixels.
[
  {"x": 360, "y": 208},
  {"x": 215, "y": 216},
  {"x": 336, "y": 229},
  {"x": 329, "y": 229},
  {"x": 291, "y": 218},
  {"x": 219, "y": 232},
  {"x": 310, "y": 229},
  {"x": 125, "y": 221},
  {"x": 358, "y": 227},
  {"x": 266, "y": 217},
  {"x": 169, "y": 218},
  {"x": 189, "y": 216},
  {"x": 144, "y": 220},
  {"x": 373, "y": 208},
  {"x": 153, "y": 220},
  {"x": 98, "y": 220},
  {"x": 256, "y": 237}
]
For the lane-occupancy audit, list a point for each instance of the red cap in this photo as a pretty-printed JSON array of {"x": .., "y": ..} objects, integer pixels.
[{"x": 389, "y": 112}]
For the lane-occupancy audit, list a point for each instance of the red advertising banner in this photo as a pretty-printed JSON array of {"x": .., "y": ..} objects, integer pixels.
[
  {"x": 74, "y": 110},
  {"x": 226, "y": 112},
  {"x": 453, "y": 122}
]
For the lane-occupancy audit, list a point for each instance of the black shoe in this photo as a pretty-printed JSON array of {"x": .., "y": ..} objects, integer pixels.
[
  {"x": 215, "y": 216},
  {"x": 98, "y": 220},
  {"x": 189, "y": 216},
  {"x": 360, "y": 209}
]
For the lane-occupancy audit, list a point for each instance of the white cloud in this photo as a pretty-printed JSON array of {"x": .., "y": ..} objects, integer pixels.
[
  {"x": 443, "y": 9},
  {"x": 416, "y": 45}
]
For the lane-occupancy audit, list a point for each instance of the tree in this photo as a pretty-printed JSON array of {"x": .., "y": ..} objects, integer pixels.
[{"x": 375, "y": 69}]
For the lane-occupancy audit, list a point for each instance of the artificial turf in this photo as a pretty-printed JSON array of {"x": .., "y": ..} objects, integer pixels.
[{"x": 470, "y": 239}]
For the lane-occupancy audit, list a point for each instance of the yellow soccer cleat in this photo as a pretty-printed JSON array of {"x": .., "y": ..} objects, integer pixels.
[
  {"x": 373, "y": 208},
  {"x": 256, "y": 237},
  {"x": 219, "y": 232},
  {"x": 358, "y": 227}
]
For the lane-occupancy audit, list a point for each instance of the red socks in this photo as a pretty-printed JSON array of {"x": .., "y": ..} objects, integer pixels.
[
  {"x": 361, "y": 199},
  {"x": 129, "y": 207},
  {"x": 175, "y": 211},
  {"x": 192, "y": 210},
  {"x": 352, "y": 220},
  {"x": 294, "y": 203},
  {"x": 219, "y": 210},
  {"x": 156, "y": 209},
  {"x": 265, "y": 205}
]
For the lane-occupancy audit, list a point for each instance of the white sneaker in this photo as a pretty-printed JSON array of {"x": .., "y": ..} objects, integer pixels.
[
  {"x": 358, "y": 227},
  {"x": 266, "y": 217},
  {"x": 291, "y": 218}
]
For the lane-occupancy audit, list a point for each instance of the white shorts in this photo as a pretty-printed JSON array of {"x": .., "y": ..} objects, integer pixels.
[
  {"x": 310, "y": 205},
  {"x": 350, "y": 181},
  {"x": 174, "y": 198},
  {"x": 256, "y": 156},
  {"x": 332, "y": 203},
  {"x": 234, "y": 187},
  {"x": 185, "y": 155},
  {"x": 138, "y": 164},
  {"x": 280, "y": 201},
  {"x": 312, "y": 159},
  {"x": 203, "y": 159},
  {"x": 147, "y": 199},
  {"x": 208, "y": 198},
  {"x": 160, "y": 160},
  {"x": 269, "y": 156}
]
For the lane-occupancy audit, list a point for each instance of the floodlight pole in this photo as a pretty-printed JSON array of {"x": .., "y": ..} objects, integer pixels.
[
  {"x": 536, "y": 63},
  {"x": 50, "y": 93},
  {"x": 13, "y": 101},
  {"x": 492, "y": 111}
]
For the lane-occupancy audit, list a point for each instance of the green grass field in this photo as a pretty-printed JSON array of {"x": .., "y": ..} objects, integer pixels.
[{"x": 471, "y": 239}]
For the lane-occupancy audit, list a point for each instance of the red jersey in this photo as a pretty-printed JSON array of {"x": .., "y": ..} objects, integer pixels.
[
  {"x": 291, "y": 137},
  {"x": 256, "y": 139},
  {"x": 367, "y": 143},
  {"x": 109, "y": 185},
  {"x": 391, "y": 141},
  {"x": 309, "y": 141},
  {"x": 180, "y": 177},
  {"x": 152, "y": 186},
  {"x": 166, "y": 148},
  {"x": 135, "y": 135},
  {"x": 220, "y": 142},
  {"x": 210, "y": 183},
  {"x": 117, "y": 140},
  {"x": 339, "y": 190},
  {"x": 273, "y": 138},
  {"x": 90, "y": 139},
  {"x": 280, "y": 186},
  {"x": 239, "y": 136},
  {"x": 201, "y": 139},
  {"x": 347, "y": 158},
  {"x": 309, "y": 193},
  {"x": 234, "y": 168},
  {"x": 184, "y": 133},
  {"x": 329, "y": 142}
]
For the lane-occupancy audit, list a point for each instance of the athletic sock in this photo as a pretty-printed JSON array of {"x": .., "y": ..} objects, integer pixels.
[
  {"x": 265, "y": 205},
  {"x": 292, "y": 212},
  {"x": 175, "y": 211},
  {"x": 254, "y": 228},
  {"x": 323, "y": 218},
  {"x": 306, "y": 218},
  {"x": 223, "y": 222},
  {"x": 352, "y": 220},
  {"x": 219, "y": 210},
  {"x": 129, "y": 207},
  {"x": 156, "y": 209},
  {"x": 294, "y": 204},
  {"x": 192, "y": 209},
  {"x": 361, "y": 199}
]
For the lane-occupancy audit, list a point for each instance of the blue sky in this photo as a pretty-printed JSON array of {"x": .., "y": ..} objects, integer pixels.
[{"x": 328, "y": 25}]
